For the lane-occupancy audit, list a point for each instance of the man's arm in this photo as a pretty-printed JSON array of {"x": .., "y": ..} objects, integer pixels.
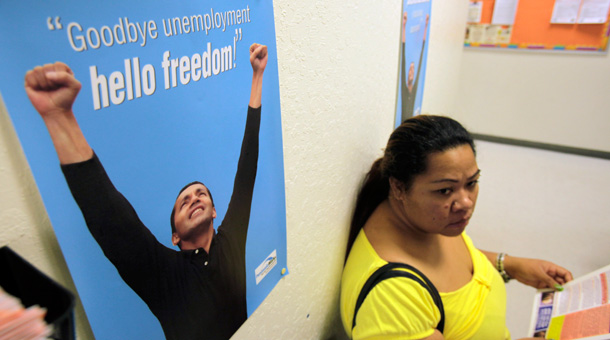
[
  {"x": 237, "y": 217},
  {"x": 421, "y": 55},
  {"x": 52, "y": 90},
  {"x": 403, "y": 73},
  {"x": 258, "y": 60},
  {"x": 126, "y": 242},
  {"x": 404, "y": 91}
]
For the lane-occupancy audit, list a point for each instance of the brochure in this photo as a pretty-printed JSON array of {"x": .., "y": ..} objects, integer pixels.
[{"x": 580, "y": 311}]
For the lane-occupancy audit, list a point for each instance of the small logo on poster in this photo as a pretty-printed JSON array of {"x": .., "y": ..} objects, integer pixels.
[{"x": 265, "y": 267}]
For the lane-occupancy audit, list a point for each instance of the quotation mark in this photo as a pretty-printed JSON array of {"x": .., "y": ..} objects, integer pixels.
[
  {"x": 54, "y": 25},
  {"x": 236, "y": 38}
]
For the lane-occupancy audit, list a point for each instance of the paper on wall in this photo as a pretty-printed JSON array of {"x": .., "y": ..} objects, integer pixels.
[{"x": 504, "y": 12}]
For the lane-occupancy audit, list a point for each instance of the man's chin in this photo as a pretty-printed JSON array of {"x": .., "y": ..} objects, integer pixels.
[{"x": 201, "y": 225}]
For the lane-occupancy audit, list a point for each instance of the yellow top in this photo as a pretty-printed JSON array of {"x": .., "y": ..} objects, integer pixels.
[{"x": 399, "y": 308}]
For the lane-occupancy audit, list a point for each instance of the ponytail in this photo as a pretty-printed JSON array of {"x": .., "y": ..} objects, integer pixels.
[{"x": 375, "y": 189}]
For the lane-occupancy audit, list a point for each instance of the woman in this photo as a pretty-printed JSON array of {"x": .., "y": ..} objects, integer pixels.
[{"x": 412, "y": 209}]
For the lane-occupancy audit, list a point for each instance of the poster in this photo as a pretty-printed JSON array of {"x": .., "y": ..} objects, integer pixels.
[
  {"x": 165, "y": 91},
  {"x": 415, "y": 29}
]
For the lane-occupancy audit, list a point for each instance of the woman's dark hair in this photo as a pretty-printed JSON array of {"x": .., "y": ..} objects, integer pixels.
[{"x": 404, "y": 158}]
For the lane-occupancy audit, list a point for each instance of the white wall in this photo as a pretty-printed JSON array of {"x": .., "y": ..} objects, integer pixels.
[
  {"x": 541, "y": 204},
  {"x": 337, "y": 68},
  {"x": 550, "y": 97}
]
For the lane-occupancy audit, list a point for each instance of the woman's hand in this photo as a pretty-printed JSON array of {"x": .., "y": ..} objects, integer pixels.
[{"x": 536, "y": 273}]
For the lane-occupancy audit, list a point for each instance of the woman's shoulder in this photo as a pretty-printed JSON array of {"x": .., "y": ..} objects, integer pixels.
[
  {"x": 388, "y": 295},
  {"x": 401, "y": 306},
  {"x": 362, "y": 261},
  {"x": 398, "y": 305}
]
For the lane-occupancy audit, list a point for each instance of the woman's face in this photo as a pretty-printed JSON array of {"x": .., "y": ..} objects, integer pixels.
[{"x": 442, "y": 200}]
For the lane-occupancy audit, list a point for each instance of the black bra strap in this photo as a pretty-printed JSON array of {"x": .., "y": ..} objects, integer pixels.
[{"x": 388, "y": 272}]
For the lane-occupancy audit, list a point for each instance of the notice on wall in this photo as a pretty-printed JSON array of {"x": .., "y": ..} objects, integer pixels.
[
  {"x": 565, "y": 11},
  {"x": 488, "y": 34},
  {"x": 415, "y": 29},
  {"x": 593, "y": 11},
  {"x": 164, "y": 101},
  {"x": 580, "y": 11},
  {"x": 475, "y": 10},
  {"x": 504, "y": 12}
]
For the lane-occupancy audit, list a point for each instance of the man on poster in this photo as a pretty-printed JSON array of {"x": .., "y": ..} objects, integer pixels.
[
  {"x": 409, "y": 84},
  {"x": 198, "y": 292}
]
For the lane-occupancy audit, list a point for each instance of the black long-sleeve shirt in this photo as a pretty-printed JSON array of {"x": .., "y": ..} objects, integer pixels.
[{"x": 193, "y": 294}]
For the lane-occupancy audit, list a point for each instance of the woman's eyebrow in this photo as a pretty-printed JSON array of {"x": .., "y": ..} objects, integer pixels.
[
  {"x": 455, "y": 180},
  {"x": 475, "y": 174}
]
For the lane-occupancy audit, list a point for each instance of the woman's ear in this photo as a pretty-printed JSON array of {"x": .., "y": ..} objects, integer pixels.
[{"x": 397, "y": 189}]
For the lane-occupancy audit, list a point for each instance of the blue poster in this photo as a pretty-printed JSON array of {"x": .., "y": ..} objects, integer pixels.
[
  {"x": 166, "y": 90},
  {"x": 415, "y": 30}
]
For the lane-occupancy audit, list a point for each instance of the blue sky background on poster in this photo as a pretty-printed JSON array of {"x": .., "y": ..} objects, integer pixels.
[
  {"x": 130, "y": 135},
  {"x": 416, "y": 22}
]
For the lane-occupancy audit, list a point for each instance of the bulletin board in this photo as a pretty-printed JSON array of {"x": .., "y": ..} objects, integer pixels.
[{"x": 532, "y": 30}]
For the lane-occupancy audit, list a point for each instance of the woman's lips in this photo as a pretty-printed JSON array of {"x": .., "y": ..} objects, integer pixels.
[{"x": 460, "y": 224}]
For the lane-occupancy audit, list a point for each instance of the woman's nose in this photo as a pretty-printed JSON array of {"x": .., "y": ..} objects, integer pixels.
[{"x": 463, "y": 202}]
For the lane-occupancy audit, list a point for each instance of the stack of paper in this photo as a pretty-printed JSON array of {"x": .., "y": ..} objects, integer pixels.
[{"x": 17, "y": 322}]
